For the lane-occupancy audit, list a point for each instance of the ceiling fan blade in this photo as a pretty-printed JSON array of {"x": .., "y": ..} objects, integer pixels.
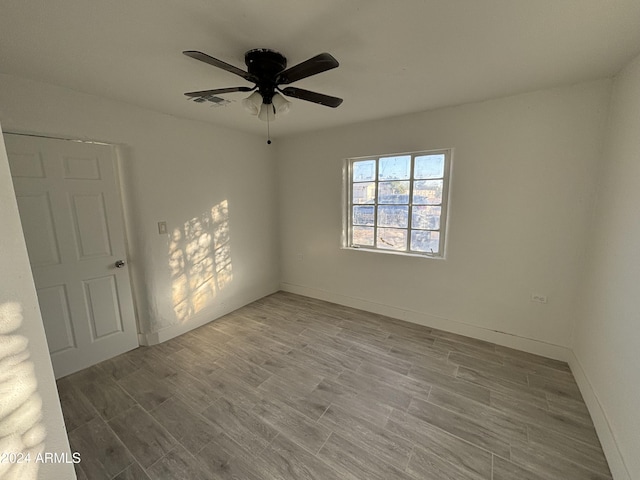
[
  {"x": 318, "y": 64},
  {"x": 314, "y": 97},
  {"x": 218, "y": 91},
  {"x": 203, "y": 57}
]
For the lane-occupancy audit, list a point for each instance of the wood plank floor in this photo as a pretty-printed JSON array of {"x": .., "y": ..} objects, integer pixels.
[{"x": 294, "y": 388}]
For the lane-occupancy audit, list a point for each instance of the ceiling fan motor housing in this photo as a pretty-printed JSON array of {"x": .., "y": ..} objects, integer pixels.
[{"x": 265, "y": 65}]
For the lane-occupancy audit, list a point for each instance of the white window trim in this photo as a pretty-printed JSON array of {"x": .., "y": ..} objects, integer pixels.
[{"x": 347, "y": 205}]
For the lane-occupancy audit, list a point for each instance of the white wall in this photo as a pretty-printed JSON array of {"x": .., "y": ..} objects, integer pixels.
[
  {"x": 522, "y": 187},
  {"x": 607, "y": 334},
  {"x": 30, "y": 415},
  {"x": 173, "y": 170}
]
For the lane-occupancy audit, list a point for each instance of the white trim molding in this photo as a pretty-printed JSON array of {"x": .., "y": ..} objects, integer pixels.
[
  {"x": 549, "y": 350},
  {"x": 202, "y": 318},
  {"x": 608, "y": 441}
]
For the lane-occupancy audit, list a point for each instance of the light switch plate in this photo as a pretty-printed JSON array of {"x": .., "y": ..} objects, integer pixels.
[{"x": 162, "y": 228}]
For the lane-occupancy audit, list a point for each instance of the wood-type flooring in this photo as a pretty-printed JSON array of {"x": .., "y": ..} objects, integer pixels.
[{"x": 290, "y": 387}]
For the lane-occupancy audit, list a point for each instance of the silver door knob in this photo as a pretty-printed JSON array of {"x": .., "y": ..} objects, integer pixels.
[{"x": 119, "y": 264}]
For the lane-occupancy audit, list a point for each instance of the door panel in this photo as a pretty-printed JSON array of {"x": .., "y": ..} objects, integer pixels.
[
  {"x": 90, "y": 222},
  {"x": 38, "y": 229},
  {"x": 57, "y": 323},
  {"x": 28, "y": 165},
  {"x": 102, "y": 302},
  {"x": 81, "y": 168},
  {"x": 71, "y": 213}
]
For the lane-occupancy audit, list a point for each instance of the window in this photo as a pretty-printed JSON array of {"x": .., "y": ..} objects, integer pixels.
[{"x": 398, "y": 203}]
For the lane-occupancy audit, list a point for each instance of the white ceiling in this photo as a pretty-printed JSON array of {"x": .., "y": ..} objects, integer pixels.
[{"x": 396, "y": 56}]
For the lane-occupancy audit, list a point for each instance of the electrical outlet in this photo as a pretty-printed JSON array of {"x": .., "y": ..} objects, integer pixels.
[
  {"x": 299, "y": 257},
  {"x": 538, "y": 298},
  {"x": 162, "y": 228}
]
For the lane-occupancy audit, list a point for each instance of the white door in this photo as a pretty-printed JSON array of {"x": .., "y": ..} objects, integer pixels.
[{"x": 71, "y": 214}]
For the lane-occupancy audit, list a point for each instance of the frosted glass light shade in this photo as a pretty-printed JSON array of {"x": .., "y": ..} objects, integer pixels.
[
  {"x": 267, "y": 112},
  {"x": 281, "y": 104},
  {"x": 253, "y": 103}
]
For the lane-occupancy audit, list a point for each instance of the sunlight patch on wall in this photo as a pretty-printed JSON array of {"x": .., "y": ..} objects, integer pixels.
[
  {"x": 200, "y": 261},
  {"x": 21, "y": 430}
]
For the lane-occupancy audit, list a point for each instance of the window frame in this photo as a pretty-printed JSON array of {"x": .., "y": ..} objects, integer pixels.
[{"x": 347, "y": 207}]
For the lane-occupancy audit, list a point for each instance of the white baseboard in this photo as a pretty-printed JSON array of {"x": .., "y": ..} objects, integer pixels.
[
  {"x": 549, "y": 350},
  {"x": 603, "y": 427},
  {"x": 202, "y": 318}
]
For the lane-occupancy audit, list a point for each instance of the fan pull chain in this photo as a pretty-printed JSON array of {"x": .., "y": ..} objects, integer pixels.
[{"x": 268, "y": 132}]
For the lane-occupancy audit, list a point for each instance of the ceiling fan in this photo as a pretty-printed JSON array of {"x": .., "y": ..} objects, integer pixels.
[{"x": 267, "y": 69}]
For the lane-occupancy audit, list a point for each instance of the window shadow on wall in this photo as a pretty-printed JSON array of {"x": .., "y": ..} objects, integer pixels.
[{"x": 200, "y": 261}]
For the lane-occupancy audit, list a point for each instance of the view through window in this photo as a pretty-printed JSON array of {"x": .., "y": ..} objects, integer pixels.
[{"x": 398, "y": 202}]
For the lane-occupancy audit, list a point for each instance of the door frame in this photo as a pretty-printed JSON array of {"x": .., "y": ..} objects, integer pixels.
[{"x": 124, "y": 204}]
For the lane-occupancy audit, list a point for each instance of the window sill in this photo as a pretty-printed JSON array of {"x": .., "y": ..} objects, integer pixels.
[{"x": 394, "y": 252}]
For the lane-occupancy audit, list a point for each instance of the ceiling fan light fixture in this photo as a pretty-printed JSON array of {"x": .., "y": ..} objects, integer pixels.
[
  {"x": 280, "y": 104},
  {"x": 253, "y": 103},
  {"x": 267, "y": 112}
]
